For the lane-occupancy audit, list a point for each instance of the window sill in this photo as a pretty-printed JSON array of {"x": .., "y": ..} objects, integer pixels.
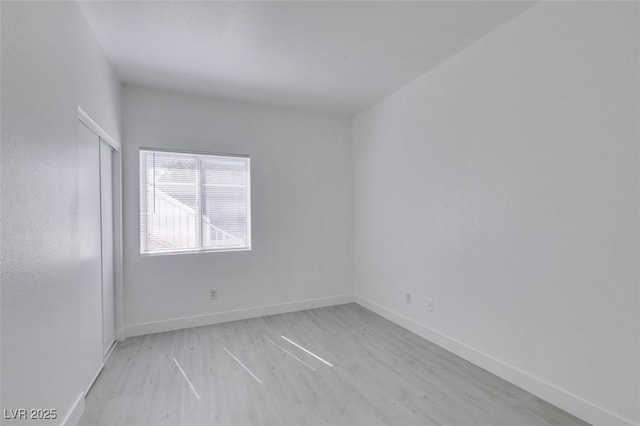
[{"x": 191, "y": 251}]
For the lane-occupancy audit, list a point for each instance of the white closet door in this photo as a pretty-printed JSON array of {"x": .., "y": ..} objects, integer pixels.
[
  {"x": 108, "y": 289},
  {"x": 90, "y": 245}
]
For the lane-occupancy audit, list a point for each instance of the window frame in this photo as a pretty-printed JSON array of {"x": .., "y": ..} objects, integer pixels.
[{"x": 142, "y": 174}]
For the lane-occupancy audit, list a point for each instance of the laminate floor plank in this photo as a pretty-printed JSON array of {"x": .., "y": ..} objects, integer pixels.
[{"x": 245, "y": 373}]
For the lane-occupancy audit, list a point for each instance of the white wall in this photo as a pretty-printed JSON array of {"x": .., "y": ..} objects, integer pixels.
[
  {"x": 98, "y": 85},
  {"x": 301, "y": 211},
  {"x": 504, "y": 186},
  {"x": 50, "y": 64}
]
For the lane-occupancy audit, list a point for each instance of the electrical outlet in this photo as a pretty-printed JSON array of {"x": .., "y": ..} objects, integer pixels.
[
  {"x": 429, "y": 305},
  {"x": 409, "y": 297},
  {"x": 213, "y": 293}
]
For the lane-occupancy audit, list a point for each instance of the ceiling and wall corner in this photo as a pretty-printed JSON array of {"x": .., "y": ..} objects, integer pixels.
[{"x": 336, "y": 57}]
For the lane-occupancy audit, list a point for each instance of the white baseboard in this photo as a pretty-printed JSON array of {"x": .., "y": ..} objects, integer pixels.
[
  {"x": 120, "y": 334},
  {"x": 107, "y": 355},
  {"x": 75, "y": 412},
  {"x": 567, "y": 401},
  {"x": 226, "y": 316}
]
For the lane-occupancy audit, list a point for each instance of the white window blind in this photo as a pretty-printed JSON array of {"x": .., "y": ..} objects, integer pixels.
[{"x": 194, "y": 202}]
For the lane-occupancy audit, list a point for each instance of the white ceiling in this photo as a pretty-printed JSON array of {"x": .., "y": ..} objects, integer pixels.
[{"x": 338, "y": 57}]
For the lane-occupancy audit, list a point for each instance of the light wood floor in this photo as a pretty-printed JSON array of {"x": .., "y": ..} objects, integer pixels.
[{"x": 381, "y": 374}]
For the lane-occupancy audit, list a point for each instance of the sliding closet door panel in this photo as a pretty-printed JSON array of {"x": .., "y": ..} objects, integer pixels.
[
  {"x": 108, "y": 289},
  {"x": 90, "y": 246}
]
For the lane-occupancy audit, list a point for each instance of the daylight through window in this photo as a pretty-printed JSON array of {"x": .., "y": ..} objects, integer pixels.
[{"x": 194, "y": 202}]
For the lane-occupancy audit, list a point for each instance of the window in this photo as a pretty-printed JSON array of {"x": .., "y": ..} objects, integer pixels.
[{"x": 194, "y": 202}]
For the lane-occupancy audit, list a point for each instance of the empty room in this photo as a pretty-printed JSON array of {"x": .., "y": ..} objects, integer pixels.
[{"x": 362, "y": 213}]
